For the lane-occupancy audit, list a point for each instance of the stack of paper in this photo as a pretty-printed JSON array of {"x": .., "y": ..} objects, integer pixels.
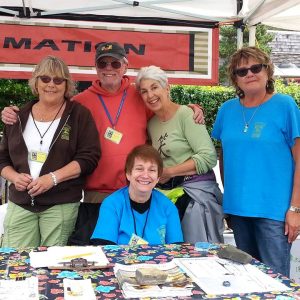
[
  {"x": 221, "y": 276},
  {"x": 177, "y": 283}
]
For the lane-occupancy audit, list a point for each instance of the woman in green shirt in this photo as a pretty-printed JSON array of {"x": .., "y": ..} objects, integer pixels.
[{"x": 188, "y": 155}]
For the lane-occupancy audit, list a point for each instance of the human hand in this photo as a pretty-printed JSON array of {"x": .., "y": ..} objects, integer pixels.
[
  {"x": 198, "y": 113},
  {"x": 292, "y": 225},
  {"x": 21, "y": 181},
  {"x": 9, "y": 115},
  {"x": 166, "y": 176},
  {"x": 40, "y": 185}
]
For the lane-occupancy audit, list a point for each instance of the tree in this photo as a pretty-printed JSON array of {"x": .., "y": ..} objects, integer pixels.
[{"x": 228, "y": 45}]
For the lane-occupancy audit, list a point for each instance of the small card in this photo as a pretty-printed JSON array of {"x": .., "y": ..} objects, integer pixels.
[
  {"x": 78, "y": 289},
  {"x": 113, "y": 135},
  {"x": 38, "y": 156},
  {"x": 137, "y": 240}
]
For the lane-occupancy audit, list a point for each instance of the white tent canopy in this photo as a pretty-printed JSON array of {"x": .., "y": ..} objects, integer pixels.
[
  {"x": 179, "y": 10},
  {"x": 277, "y": 13}
]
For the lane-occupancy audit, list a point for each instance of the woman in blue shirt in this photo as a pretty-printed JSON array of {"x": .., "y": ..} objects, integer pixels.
[
  {"x": 260, "y": 133},
  {"x": 138, "y": 214}
]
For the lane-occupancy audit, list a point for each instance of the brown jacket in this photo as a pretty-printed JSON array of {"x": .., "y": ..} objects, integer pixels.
[{"x": 76, "y": 138}]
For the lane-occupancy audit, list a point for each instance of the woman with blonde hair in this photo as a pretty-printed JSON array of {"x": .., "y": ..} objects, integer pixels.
[{"x": 46, "y": 156}]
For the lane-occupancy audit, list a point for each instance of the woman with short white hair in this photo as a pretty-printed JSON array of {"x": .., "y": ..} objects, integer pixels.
[{"x": 188, "y": 155}]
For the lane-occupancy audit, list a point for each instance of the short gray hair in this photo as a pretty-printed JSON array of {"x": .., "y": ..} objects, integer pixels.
[{"x": 154, "y": 73}]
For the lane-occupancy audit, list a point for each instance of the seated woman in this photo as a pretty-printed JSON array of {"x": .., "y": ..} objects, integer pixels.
[
  {"x": 138, "y": 214},
  {"x": 188, "y": 155}
]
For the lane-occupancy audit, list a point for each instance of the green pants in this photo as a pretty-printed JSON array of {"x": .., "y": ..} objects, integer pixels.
[{"x": 51, "y": 227}]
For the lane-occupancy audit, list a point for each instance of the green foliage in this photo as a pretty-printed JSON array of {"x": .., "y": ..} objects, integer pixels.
[
  {"x": 228, "y": 45},
  {"x": 209, "y": 97},
  {"x": 16, "y": 92},
  {"x": 292, "y": 89},
  {"x": 13, "y": 92}
]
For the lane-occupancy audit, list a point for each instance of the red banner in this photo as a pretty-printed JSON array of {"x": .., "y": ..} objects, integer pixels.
[{"x": 23, "y": 45}]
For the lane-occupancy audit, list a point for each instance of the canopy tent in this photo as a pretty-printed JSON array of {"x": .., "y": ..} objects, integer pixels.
[
  {"x": 277, "y": 13},
  {"x": 176, "y": 12}
]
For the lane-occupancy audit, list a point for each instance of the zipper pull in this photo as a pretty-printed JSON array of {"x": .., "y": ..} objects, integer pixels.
[{"x": 32, "y": 201}]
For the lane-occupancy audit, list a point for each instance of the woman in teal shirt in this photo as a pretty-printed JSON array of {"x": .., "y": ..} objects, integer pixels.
[{"x": 138, "y": 214}]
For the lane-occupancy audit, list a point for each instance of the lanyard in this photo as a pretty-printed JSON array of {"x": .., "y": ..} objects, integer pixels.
[
  {"x": 134, "y": 223},
  {"x": 113, "y": 124},
  {"x": 42, "y": 135}
]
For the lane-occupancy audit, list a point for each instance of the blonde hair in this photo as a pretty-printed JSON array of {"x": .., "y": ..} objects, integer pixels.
[{"x": 54, "y": 66}]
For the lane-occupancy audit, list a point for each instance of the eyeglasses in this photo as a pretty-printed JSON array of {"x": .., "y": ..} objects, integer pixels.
[
  {"x": 103, "y": 64},
  {"x": 242, "y": 72},
  {"x": 56, "y": 80}
]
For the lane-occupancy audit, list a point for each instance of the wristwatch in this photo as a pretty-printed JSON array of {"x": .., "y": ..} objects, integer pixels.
[{"x": 295, "y": 209}]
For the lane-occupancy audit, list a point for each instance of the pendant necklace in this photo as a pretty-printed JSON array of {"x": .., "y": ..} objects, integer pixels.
[
  {"x": 247, "y": 123},
  {"x": 42, "y": 135}
]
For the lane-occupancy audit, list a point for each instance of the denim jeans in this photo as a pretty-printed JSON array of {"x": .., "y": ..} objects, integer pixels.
[{"x": 264, "y": 239}]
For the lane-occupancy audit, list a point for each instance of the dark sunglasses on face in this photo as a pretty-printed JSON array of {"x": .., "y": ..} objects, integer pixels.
[
  {"x": 255, "y": 69},
  {"x": 56, "y": 80},
  {"x": 114, "y": 64}
]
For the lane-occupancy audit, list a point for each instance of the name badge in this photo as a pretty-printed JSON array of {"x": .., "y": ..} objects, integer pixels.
[
  {"x": 38, "y": 156},
  {"x": 113, "y": 135},
  {"x": 137, "y": 240}
]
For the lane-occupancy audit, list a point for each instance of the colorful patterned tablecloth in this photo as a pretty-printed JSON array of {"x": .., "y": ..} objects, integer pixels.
[{"x": 15, "y": 263}]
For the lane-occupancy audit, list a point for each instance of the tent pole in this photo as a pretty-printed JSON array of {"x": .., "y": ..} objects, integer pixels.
[
  {"x": 24, "y": 7},
  {"x": 239, "y": 38},
  {"x": 252, "y": 31}
]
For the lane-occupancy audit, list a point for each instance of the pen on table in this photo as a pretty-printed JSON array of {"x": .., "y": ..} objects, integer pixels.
[{"x": 78, "y": 255}]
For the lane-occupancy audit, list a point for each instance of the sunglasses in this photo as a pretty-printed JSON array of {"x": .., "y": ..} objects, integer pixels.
[
  {"x": 56, "y": 80},
  {"x": 114, "y": 64},
  {"x": 255, "y": 69}
]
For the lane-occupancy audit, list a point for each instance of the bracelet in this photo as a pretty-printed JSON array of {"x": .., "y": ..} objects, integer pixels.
[
  {"x": 53, "y": 178},
  {"x": 294, "y": 209}
]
